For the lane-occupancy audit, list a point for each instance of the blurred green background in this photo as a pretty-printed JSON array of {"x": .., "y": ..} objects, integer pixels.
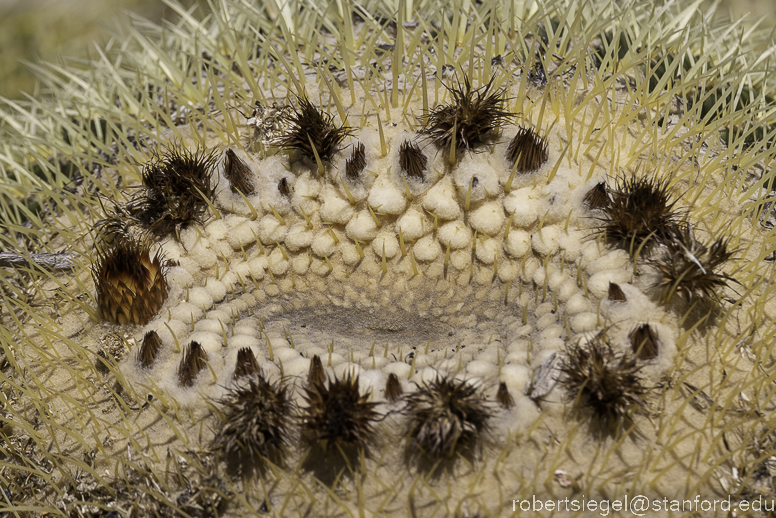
[{"x": 46, "y": 29}]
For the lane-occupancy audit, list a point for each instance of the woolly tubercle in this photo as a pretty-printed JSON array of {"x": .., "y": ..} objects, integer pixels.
[
  {"x": 312, "y": 132},
  {"x": 690, "y": 268},
  {"x": 257, "y": 419},
  {"x": 445, "y": 416},
  {"x": 527, "y": 151},
  {"x": 469, "y": 120},
  {"x": 177, "y": 190},
  {"x": 337, "y": 414},
  {"x": 130, "y": 284},
  {"x": 603, "y": 381}
]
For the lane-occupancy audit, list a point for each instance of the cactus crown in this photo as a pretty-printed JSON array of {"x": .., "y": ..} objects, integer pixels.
[{"x": 592, "y": 160}]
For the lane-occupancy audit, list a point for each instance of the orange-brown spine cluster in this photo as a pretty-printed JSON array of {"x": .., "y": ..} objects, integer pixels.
[{"x": 130, "y": 283}]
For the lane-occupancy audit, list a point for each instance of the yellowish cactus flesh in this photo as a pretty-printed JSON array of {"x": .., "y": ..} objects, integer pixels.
[{"x": 489, "y": 252}]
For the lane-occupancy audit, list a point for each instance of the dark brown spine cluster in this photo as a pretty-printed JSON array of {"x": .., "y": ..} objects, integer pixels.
[
  {"x": 689, "y": 267},
  {"x": 527, "y": 150},
  {"x": 194, "y": 360},
  {"x": 393, "y": 388},
  {"x": 356, "y": 162},
  {"x": 130, "y": 284},
  {"x": 469, "y": 120},
  {"x": 604, "y": 382},
  {"x": 284, "y": 188},
  {"x": 152, "y": 344},
  {"x": 616, "y": 294},
  {"x": 337, "y": 414},
  {"x": 316, "y": 375},
  {"x": 311, "y": 132},
  {"x": 237, "y": 173},
  {"x": 177, "y": 190},
  {"x": 412, "y": 160},
  {"x": 446, "y": 417},
  {"x": 246, "y": 364},
  {"x": 597, "y": 197},
  {"x": 643, "y": 342},
  {"x": 257, "y": 415},
  {"x": 640, "y": 212},
  {"x": 503, "y": 396}
]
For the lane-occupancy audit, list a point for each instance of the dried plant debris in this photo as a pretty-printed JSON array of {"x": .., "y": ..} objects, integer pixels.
[
  {"x": 644, "y": 342},
  {"x": 237, "y": 173},
  {"x": 544, "y": 378},
  {"x": 130, "y": 283},
  {"x": 194, "y": 360},
  {"x": 140, "y": 489},
  {"x": 111, "y": 348},
  {"x": 393, "y": 388},
  {"x": 616, "y": 294},
  {"x": 177, "y": 190},
  {"x": 312, "y": 132},
  {"x": 269, "y": 123},
  {"x": 690, "y": 268},
  {"x": 503, "y": 396},
  {"x": 149, "y": 350},
  {"x": 356, "y": 162},
  {"x": 469, "y": 120},
  {"x": 246, "y": 364},
  {"x": 257, "y": 418},
  {"x": 602, "y": 381},
  {"x": 639, "y": 213},
  {"x": 337, "y": 415},
  {"x": 446, "y": 417},
  {"x": 316, "y": 375},
  {"x": 412, "y": 160},
  {"x": 597, "y": 197},
  {"x": 527, "y": 150}
]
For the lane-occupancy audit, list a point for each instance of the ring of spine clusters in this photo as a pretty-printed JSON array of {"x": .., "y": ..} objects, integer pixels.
[{"x": 461, "y": 238}]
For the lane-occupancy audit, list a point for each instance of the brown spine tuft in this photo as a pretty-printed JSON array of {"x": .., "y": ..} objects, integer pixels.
[
  {"x": 130, "y": 284},
  {"x": 412, "y": 160},
  {"x": 338, "y": 415},
  {"x": 469, "y": 120},
  {"x": 237, "y": 172},
  {"x": 310, "y": 128},
  {"x": 528, "y": 150},
  {"x": 597, "y": 197},
  {"x": 356, "y": 162},
  {"x": 193, "y": 361},
  {"x": 149, "y": 350},
  {"x": 616, "y": 294},
  {"x": 246, "y": 363},
  {"x": 393, "y": 389},
  {"x": 503, "y": 396},
  {"x": 316, "y": 374},
  {"x": 643, "y": 342}
]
